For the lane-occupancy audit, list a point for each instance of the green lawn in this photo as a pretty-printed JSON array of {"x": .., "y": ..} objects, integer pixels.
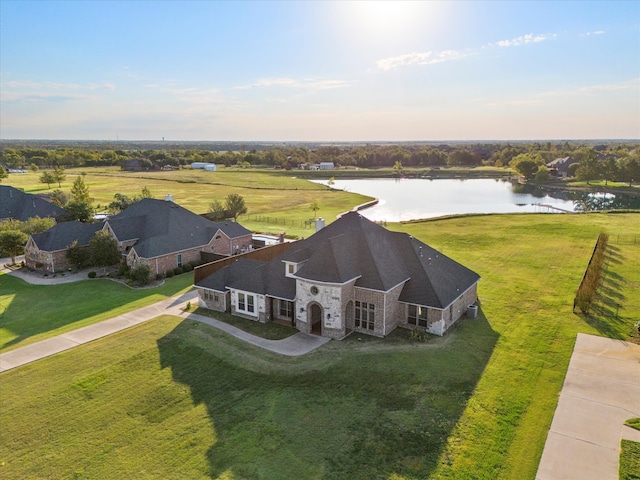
[
  {"x": 29, "y": 313},
  {"x": 177, "y": 399},
  {"x": 629, "y": 460}
]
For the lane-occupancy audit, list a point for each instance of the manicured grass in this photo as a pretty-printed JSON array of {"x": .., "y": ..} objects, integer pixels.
[
  {"x": 186, "y": 400},
  {"x": 633, "y": 423},
  {"x": 629, "y": 460},
  {"x": 29, "y": 313},
  {"x": 190, "y": 401},
  {"x": 268, "y": 330}
]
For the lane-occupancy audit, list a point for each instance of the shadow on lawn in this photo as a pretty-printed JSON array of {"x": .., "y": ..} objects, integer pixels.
[
  {"x": 335, "y": 413},
  {"x": 607, "y": 313}
]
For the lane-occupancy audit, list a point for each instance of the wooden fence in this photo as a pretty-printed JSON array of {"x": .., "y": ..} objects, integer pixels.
[{"x": 263, "y": 254}]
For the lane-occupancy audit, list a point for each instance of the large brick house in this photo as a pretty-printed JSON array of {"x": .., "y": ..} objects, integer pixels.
[
  {"x": 17, "y": 205},
  {"x": 158, "y": 233},
  {"x": 352, "y": 275}
]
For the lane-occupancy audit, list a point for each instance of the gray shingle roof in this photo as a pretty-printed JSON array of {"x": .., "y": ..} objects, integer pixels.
[
  {"x": 60, "y": 236},
  {"x": 21, "y": 206},
  {"x": 163, "y": 227},
  {"x": 354, "y": 247},
  {"x": 239, "y": 273}
]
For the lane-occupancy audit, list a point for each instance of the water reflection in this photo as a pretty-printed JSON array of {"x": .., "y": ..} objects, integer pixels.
[{"x": 409, "y": 199}]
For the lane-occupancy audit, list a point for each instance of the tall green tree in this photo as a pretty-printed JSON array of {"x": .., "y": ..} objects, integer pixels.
[
  {"x": 77, "y": 255},
  {"x": 79, "y": 210},
  {"x": 610, "y": 170},
  {"x": 235, "y": 205},
  {"x": 59, "y": 175},
  {"x": 48, "y": 178},
  {"x": 3, "y": 173},
  {"x": 80, "y": 191},
  {"x": 103, "y": 250},
  {"x": 12, "y": 243},
  {"x": 217, "y": 210},
  {"x": 120, "y": 203},
  {"x": 58, "y": 197},
  {"x": 630, "y": 170},
  {"x": 589, "y": 169}
]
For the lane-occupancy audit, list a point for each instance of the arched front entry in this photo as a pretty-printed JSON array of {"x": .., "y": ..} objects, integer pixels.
[{"x": 315, "y": 312}]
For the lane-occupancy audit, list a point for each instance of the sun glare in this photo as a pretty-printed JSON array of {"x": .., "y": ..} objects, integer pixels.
[{"x": 387, "y": 21}]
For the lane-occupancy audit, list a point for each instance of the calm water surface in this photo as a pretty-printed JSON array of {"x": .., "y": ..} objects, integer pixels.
[{"x": 410, "y": 199}]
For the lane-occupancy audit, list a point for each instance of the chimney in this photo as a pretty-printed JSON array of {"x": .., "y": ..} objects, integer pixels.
[
  {"x": 281, "y": 237},
  {"x": 319, "y": 224},
  {"x": 168, "y": 198}
]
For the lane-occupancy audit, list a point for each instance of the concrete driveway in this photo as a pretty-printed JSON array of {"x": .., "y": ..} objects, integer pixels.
[{"x": 601, "y": 390}]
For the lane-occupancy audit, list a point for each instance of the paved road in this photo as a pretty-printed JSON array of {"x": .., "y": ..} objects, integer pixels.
[{"x": 601, "y": 390}]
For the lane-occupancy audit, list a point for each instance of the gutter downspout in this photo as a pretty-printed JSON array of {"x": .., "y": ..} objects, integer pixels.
[{"x": 384, "y": 316}]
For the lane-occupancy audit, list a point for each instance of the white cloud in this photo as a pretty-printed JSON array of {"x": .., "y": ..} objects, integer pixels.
[
  {"x": 420, "y": 58},
  {"x": 524, "y": 40},
  {"x": 588, "y": 34}
]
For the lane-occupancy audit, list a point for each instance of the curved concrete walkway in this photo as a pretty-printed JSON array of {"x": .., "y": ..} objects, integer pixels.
[
  {"x": 601, "y": 391},
  {"x": 295, "y": 345}
]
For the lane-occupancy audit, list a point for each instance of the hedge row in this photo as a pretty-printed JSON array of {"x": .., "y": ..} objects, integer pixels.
[{"x": 586, "y": 293}]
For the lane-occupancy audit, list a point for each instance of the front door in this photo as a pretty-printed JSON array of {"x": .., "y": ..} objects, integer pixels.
[{"x": 316, "y": 319}]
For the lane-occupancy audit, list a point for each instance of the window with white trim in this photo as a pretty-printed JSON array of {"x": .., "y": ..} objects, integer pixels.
[
  {"x": 179, "y": 259},
  {"x": 246, "y": 303},
  {"x": 417, "y": 315},
  {"x": 365, "y": 315}
]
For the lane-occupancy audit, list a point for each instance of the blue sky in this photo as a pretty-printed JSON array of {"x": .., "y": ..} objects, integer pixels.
[{"x": 319, "y": 71}]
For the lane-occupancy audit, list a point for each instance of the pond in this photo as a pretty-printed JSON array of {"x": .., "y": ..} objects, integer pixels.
[{"x": 410, "y": 199}]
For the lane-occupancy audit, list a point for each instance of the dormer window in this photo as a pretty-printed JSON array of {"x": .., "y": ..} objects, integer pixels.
[{"x": 290, "y": 269}]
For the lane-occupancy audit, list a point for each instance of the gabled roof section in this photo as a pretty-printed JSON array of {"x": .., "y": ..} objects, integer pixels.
[
  {"x": 60, "y": 236},
  {"x": 351, "y": 247},
  {"x": 21, "y": 206},
  {"x": 436, "y": 280},
  {"x": 231, "y": 229},
  {"x": 161, "y": 227}
]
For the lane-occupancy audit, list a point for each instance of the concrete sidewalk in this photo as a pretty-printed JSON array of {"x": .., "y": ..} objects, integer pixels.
[
  {"x": 600, "y": 392},
  {"x": 295, "y": 345}
]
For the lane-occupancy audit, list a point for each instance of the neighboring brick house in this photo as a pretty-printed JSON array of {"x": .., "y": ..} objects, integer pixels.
[
  {"x": 158, "y": 233},
  {"x": 165, "y": 235},
  {"x": 22, "y": 206},
  {"x": 352, "y": 275},
  {"x": 560, "y": 166},
  {"x": 48, "y": 250}
]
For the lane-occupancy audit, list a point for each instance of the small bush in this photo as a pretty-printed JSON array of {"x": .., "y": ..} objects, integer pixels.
[
  {"x": 159, "y": 276},
  {"x": 92, "y": 274},
  {"x": 170, "y": 273},
  {"x": 123, "y": 270},
  {"x": 187, "y": 267},
  {"x": 141, "y": 273},
  {"x": 177, "y": 271},
  {"x": 419, "y": 334}
]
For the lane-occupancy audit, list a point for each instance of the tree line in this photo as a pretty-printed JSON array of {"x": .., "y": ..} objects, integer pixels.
[{"x": 289, "y": 157}]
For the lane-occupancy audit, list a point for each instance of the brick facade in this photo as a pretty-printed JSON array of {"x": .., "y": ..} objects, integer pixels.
[{"x": 214, "y": 300}]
